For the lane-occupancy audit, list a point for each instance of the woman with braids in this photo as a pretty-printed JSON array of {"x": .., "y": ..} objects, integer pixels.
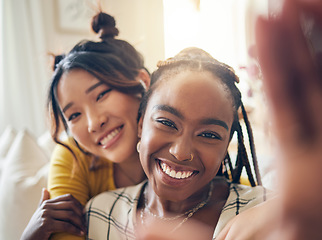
[
  {"x": 94, "y": 97},
  {"x": 187, "y": 119}
]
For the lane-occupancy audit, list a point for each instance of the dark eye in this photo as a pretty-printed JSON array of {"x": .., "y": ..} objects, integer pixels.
[
  {"x": 167, "y": 123},
  {"x": 102, "y": 94},
  {"x": 210, "y": 135},
  {"x": 73, "y": 116}
]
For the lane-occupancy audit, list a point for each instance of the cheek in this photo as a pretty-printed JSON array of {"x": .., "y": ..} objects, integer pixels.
[
  {"x": 213, "y": 158},
  {"x": 150, "y": 143},
  {"x": 126, "y": 104},
  {"x": 78, "y": 132}
]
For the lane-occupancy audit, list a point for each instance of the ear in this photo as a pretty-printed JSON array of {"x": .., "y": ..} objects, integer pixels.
[
  {"x": 144, "y": 77},
  {"x": 140, "y": 124}
]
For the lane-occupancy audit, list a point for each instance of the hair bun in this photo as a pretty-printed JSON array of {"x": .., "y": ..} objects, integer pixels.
[
  {"x": 104, "y": 25},
  {"x": 55, "y": 60}
]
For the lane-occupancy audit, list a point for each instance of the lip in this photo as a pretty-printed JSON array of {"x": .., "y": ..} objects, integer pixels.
[
  {"x": 175, "y": 181},
  {"x": 113, "y": 139}
]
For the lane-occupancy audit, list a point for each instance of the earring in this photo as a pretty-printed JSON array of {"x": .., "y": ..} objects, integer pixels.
[
  {"x": 191, "y": 157},
  {"x": 138, "y": 146}
]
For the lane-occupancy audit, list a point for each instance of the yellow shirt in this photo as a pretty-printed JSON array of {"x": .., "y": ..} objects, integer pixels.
[{"x": 67, "y": 176}]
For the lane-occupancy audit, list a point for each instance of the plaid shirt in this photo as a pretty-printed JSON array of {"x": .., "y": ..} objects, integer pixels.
[{"x": 112, "y": 215}]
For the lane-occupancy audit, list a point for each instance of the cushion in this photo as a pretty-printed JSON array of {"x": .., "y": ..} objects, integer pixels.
[
  {"x": 24, "y": 175},
  {"x": 6, "y": 140},
  {"x": 46, "y": 142}
]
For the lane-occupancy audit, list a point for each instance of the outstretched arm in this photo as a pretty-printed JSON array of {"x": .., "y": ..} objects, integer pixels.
[
  {"x": 292, "y": 71},
  {"x": 293, "y": 83}
]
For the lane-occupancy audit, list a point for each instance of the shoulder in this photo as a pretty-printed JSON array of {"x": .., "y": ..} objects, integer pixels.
[
  {"x": 113, "y": 213},
  {"x": 242, "y": 197},
  {"x": 62, "y": 150},
  {"x": 110, "y": 200},
  {"x": 248, "y": 192}
]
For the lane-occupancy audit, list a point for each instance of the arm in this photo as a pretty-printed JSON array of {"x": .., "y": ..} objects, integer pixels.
[
  {"x": 62, "y": 216},
  {"x": 255, "y": 223},
  {"x": 293, "y": 83},
  {"x": 66, "y": 178}
]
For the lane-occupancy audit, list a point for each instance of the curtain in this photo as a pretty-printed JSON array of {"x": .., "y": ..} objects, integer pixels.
[{"x": 23, "y": 65}]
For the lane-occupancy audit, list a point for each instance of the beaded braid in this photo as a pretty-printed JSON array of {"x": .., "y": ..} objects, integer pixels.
[{"x": 201, "y": 60}]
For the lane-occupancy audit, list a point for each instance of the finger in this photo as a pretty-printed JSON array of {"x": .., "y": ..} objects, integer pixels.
[
  {"x": 292, "y": 22},
  {"x": 286, "y": 79},
  {"x": 44, "y": 196},
  {"x": 313, "y": 7},
  {"x": 63, "y": 226},
  {"x": 64, "y": 206},
  {"x": 223, "y": 233},
  {"x": 66, "y": 198},
  {"x": 68, "y": 216},
  {"x": 49, "y": 214}
]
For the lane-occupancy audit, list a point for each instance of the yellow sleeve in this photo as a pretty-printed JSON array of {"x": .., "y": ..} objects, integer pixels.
[{"x": 67, "y": 176}]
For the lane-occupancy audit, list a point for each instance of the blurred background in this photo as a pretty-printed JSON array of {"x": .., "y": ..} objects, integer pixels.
[{"x": 32, "y": 29}]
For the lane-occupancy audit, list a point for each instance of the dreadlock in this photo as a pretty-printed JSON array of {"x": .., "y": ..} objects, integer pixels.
[{"x": 199, "y": 60}]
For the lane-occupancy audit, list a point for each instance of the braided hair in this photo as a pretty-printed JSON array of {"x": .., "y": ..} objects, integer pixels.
[{"x": 198, "y": 60}]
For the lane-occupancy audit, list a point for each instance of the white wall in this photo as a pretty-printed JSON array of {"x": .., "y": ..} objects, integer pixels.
[{"x": 140, "y": 22}]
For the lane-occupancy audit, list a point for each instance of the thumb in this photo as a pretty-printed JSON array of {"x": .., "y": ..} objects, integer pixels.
[{"x": 45, "y": 195}]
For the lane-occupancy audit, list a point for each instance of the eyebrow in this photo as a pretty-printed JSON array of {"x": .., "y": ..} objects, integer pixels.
[
  {"x": 213, "y": 121},
  {"x": 169, "y": 109},
  {"x": 91, "y": 88},
  {"x": 67, "y": 106},
  {"x": 207, "y": 121}
]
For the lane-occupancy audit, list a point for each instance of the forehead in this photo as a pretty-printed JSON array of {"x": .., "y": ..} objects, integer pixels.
[
  {"x": 77, "y": 80},
  {"x": 76, "y": 77},
  {"x": 194, "y": 93}
]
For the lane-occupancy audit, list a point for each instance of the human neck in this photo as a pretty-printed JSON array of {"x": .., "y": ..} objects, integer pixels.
[
  {"x": 163, "y": 208},
  {"x": 129, "y": 172}
]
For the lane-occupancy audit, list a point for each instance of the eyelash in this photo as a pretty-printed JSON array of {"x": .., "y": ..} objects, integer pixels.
[
  {"x": 103, "y": 93},
  {"x": 167, "y": 123},
  {"x": 208, "y": 135},
  {"x": 73, "y": 116},
  {"x": 212, "y": 135}
]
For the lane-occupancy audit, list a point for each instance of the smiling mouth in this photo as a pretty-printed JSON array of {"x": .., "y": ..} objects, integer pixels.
[
  {"x": 173, "y": 173},
  {"x": 110, "y": 136}
]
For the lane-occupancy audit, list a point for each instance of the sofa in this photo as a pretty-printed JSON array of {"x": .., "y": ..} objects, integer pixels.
[{"x": 24, "y": 164}]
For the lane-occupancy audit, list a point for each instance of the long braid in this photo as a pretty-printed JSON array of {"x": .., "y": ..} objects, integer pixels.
[
  {"x": 251, "y": 145},
  {"x": 229, "y": 166},
  {"x": 244, "y": 156}
]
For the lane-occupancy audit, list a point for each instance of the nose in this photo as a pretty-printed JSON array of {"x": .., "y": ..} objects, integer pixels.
[
  {"x": 95, "y": 120},
  {"x": 181, "y": 149}
]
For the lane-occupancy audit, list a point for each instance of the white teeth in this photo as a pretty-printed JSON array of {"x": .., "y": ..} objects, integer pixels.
[
  {"x": 110, "y": 136},
  {"x": 172, "y": 173}
]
